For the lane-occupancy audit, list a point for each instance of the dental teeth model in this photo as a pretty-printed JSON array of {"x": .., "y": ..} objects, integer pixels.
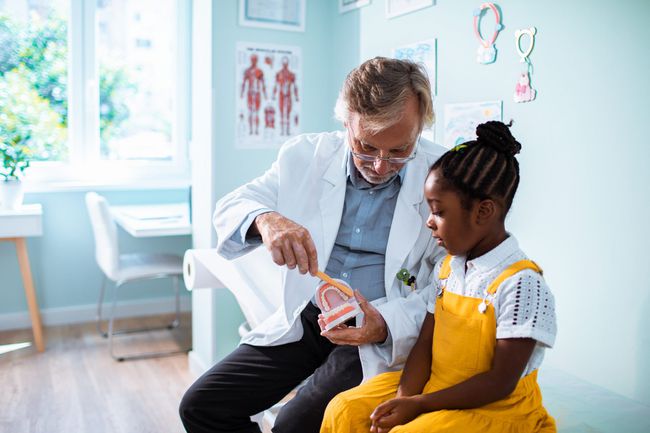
[{"x": 337, "y": 305}]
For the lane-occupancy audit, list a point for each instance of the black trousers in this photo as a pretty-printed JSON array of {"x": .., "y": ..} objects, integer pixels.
[{"x": 251, "y": 379}]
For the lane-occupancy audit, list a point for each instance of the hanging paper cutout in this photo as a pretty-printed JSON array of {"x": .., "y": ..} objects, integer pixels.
[
  {"x": 523, "y": 90},
  {"x": 486, "y": 52}
]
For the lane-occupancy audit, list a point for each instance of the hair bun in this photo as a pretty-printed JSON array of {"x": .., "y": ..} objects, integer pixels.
[{"x": 497, "y": 135}]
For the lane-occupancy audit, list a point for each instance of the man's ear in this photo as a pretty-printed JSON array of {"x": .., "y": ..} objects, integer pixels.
[{"x": 485, "y": 211}]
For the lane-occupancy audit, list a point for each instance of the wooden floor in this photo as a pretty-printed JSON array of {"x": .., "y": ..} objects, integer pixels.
[{"x": 75, "y": 386}]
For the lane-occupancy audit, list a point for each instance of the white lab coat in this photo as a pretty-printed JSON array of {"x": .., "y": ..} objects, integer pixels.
[{"x": 307, "y": 185}]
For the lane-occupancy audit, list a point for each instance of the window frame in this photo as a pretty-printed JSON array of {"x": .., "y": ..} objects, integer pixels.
[{"x": 85, "y": 166}]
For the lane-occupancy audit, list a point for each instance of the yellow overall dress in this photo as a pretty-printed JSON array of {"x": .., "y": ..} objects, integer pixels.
[{"x": 464, "y": 340}]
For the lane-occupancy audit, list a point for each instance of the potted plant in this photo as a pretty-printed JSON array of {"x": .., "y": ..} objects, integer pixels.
[{"x": 14, "y": 155}]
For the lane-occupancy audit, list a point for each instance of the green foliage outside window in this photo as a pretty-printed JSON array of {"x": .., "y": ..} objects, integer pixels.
[
  {"x": 34, "y": 89},
  {"x": 115, "y": 87}
]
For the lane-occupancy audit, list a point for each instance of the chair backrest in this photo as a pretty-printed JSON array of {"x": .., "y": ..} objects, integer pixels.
[{"x": 105, "y": 232}]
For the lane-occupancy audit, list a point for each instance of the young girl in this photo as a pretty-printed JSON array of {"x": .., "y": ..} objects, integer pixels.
[{"x": 490, "y": 313}]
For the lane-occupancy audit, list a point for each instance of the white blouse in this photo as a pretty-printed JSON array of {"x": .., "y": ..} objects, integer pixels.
[{"x": 524, "y": 305}]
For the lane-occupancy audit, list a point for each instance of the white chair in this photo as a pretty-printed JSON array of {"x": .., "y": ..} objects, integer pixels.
[{"x": 126, "y": 268}]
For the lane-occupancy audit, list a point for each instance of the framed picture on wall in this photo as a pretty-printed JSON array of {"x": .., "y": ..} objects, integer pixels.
[
  {"x": 348, "y": 5},
  {"x": 395, "y": 8},
  {"x": 273, "y": 14},
  {"x": 423, "y": 52},
  {"x": 462, "y": 119}
]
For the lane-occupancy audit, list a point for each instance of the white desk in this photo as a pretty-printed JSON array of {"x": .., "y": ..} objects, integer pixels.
[
  {"x": 154, "y": 219},
  {"x": 15, "y": 226}
]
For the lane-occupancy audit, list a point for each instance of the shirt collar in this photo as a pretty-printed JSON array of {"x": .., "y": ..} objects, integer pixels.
[
  {"x": 489, "y": 260},
  {"x": 497, "y": 255},
  {"x": 359, "y": 182}
]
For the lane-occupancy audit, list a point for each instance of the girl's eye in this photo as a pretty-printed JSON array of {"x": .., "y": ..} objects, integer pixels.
[{"x": 436, "y": 213}]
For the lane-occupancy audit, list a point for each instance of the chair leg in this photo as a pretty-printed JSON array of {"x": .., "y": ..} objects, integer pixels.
[
  {"x": 99, "y": 307},
  {"x": 144, "y": 355},
  {"x": 111, "y": 322},
  {"x": 173, "y": 324},
  {"x": 177, "y": 295}
]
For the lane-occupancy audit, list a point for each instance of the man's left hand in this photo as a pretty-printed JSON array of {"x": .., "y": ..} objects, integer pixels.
[{"x": 373, "y": 329}]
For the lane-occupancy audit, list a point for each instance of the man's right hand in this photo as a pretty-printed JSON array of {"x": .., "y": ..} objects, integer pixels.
[{"x": 289, "y": 243}]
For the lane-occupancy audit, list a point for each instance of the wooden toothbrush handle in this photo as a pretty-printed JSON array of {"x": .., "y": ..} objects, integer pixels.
[{"x": 345, "y": 289}]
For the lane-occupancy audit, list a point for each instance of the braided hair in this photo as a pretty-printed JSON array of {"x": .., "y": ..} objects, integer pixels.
[{"x": 483, "y": 168}]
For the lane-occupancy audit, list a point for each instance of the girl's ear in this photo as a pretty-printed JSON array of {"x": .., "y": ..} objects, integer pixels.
[{"x": 486, "y": 211}]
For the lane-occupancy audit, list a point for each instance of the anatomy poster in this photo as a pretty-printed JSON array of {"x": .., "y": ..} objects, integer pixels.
[
  {"x": 268, "y": 94},
  {"x": 461, "y": 120}
]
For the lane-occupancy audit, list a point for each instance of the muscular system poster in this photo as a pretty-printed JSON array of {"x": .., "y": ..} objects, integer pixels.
[{"x": 268, "y": 94}]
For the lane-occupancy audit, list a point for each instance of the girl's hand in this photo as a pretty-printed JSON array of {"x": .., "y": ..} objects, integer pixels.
[{"x": 394, "y": 412}]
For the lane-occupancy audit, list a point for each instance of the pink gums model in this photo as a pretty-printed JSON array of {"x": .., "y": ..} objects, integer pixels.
[{"x": 336, "y": 306}]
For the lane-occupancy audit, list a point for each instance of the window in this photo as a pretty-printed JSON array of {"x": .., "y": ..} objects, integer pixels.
[
  {"x": 34, "y": 76},
  {"x": 99, "y": 87}
]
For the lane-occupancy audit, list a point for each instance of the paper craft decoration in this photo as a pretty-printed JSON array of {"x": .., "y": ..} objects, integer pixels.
[
  {"x": 487, "y": 52},
  {"x": 523, "y": 90},
  {"x": 337, "y": 302}
]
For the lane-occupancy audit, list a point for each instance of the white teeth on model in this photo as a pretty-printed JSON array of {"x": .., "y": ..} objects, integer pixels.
[{"x": 334, "y": 311}]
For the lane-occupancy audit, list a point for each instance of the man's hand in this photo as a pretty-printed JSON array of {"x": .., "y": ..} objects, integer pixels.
[
  {"x": 394, "y": 412},
  {"x": 373, "y": 330},
  {"x": 289, "y": 243}
]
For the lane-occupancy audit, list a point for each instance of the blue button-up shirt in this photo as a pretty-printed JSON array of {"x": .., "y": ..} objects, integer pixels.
[{"x": 359, "y": 252}]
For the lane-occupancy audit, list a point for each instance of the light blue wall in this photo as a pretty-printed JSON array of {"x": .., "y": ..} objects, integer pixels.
[
  {"x": 584, "y": 201},
  {"x": 63, "y": 260},
  {"x": 583, "y": 206},
  {"x": 324, "y": 67}
]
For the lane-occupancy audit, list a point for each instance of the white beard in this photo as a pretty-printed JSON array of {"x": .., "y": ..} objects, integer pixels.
[{"x": 376, "y": 180}]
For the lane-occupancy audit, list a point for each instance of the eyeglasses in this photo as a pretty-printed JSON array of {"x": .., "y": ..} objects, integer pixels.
[{"x": 390, "y": 159}]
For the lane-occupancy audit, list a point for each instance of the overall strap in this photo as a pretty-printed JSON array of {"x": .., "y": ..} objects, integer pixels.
[
  {"x": 510, "y": 271},
  {"x": 445, "y": 268}
]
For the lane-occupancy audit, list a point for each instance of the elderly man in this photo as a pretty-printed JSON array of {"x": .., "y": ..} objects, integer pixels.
[{"x": 351, "y": 203}]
